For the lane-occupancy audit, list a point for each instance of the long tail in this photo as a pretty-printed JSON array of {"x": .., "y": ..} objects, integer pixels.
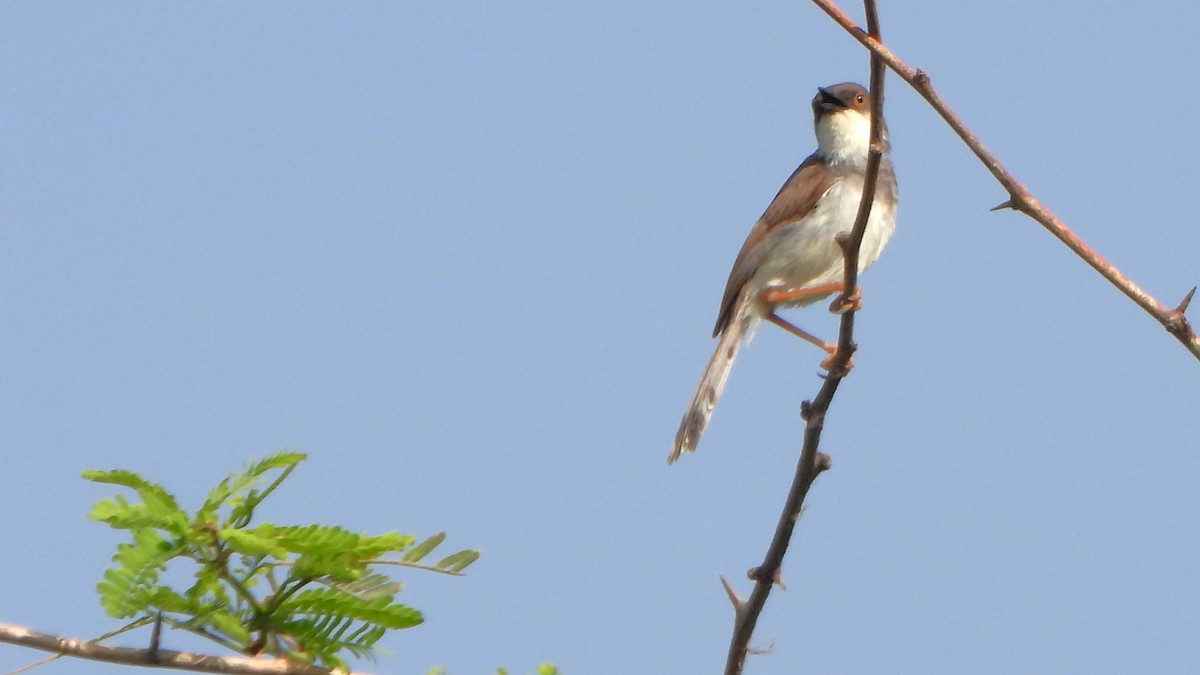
[{"x": 712, "y": 383}]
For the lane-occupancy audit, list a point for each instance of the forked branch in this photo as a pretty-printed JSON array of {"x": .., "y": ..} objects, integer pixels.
[
  {"x": 1020, "y": 199},
  {"x": 812, "y": 463}
]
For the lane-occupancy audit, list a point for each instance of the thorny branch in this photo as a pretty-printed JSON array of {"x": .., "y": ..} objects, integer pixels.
[
  {"x": 1020, "y": 199},
  {"x": 155, "y": 658},
  {"x": 811, "y": 462}
]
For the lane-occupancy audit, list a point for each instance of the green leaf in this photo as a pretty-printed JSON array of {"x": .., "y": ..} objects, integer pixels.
[
  {"x": 122, "y": 515},
  {"x": 370, "y": 587},
  {"x": 458, "y": 562},
  {"x": 228, "y": 624},
  {"x": 332, "y": 602},
  {"x": 305, "y": 593},
  {"x": 422, "y": 549},
  {"x": 229, "y": 492},
  {"x": 334, "y": 541},
  {"x": 243, "y": 510},
  {"x": 167, "y": 600},
  {"x": 209, "y": 587},
  {"x": 158, "y": 507},
  {"x": 128, "y": 588},
  {"x": 251, "y": 543},
  {"x": 281, "y": 460}
]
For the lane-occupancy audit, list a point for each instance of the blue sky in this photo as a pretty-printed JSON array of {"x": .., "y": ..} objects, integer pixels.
[{"x": 467, "y": 256}]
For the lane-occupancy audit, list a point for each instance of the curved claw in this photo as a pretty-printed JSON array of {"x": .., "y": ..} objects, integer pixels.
[
  {"x": 847, "y": 302},
  {"x": 828, "y": 363}
]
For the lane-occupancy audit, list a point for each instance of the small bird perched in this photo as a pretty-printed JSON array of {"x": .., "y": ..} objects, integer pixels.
[{"x": 791, "y": 257}]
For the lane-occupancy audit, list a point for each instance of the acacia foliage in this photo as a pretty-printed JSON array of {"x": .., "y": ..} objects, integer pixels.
[{"x": 310, "y": 594}]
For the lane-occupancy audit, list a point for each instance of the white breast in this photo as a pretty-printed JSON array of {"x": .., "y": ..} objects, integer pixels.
[{"x": 805, "y": 253}]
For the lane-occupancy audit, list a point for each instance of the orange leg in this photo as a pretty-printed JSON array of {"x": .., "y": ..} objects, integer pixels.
[
  {"x": 776, "y": 296},
  {"x": 801, "y": 333},
  {"x": 841, "y": 304},
  {"x": 829, "y": 347}
]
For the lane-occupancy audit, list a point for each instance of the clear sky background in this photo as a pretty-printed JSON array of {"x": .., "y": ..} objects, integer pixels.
[{"x": 468, "y": 255}]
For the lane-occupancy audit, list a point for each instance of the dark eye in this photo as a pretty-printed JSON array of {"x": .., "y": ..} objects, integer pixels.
[{"x": 860, "y": 98}]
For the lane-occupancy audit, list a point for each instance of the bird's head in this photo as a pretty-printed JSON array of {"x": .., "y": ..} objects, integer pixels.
[{"x": 842, "y": 114}]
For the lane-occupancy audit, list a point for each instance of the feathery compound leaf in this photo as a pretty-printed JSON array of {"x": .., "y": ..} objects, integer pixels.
[
  {"x": 422, "y": 549},
  {"x": 329, "y": 540},
  {"x": 326, "y": 622},
  {"x": 122, "y": 515},
  {"x": 225, "y": 623},
  {"x": 243, "y": 510},
  {"x": 210, "y": 588},
  {"x": 251, "y": 543},
  {"x": 166, "y": 600},
  {"x": 329, "y": 602},
  {"x": 158, "y": 507},
  {"x": 231, "y": 491},
  {"x": 370, "y": 587},
  {"x": 131, "y": 480},
  {"x": 304, "y": 593},
  {"x": 234, "y": 490},
  {"x": 282, "y": 460},
  {"x": 458, "y": 562},
  {"x": 128, "y": 588}
]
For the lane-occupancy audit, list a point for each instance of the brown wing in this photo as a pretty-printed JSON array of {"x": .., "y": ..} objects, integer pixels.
[{"x": 794, "y": 201}]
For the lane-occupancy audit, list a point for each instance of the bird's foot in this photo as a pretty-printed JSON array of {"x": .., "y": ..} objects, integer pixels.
[
  {"x": 831, "y": 367},
  {"x": 843, "y": 303}
]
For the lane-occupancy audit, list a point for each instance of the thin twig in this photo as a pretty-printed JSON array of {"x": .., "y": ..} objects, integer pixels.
[
  {"x": 161, "y": 658},
  {"x": 1020, "y": 199},
  {"x": 417, "y": 565},
  {"x": 387, "y": 561},
  {"x": 111, "y": 634},
  {"x": 811, "y": 462},
  {"x": 200, "y": 631}
]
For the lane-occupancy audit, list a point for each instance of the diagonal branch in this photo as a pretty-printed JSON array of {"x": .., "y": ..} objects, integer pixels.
[
  {"x": 155, "y": 658},
  {"x": 812, "y": 462},
  {"x": 1020, "y": 199}
]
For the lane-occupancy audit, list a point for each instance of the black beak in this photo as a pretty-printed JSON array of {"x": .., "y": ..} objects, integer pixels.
[{"x": 826, "y": 102}]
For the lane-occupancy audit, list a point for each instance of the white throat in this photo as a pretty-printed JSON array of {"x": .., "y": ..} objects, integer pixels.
[{"x": 844, "y": 137}]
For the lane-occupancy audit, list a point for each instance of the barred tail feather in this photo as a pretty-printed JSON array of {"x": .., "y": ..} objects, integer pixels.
[{"x": 712, "y": 383}]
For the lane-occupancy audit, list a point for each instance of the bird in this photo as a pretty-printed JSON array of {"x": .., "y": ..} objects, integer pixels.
[{"x": 791, "y": 258}]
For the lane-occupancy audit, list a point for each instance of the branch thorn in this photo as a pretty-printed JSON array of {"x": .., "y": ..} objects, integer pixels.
[
  {"x": 779, "y": 580},
  {"x": 734, "y": 597},
  {"x": 1008, "y": 204},
  {"x": 1187, "y": 300}
]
